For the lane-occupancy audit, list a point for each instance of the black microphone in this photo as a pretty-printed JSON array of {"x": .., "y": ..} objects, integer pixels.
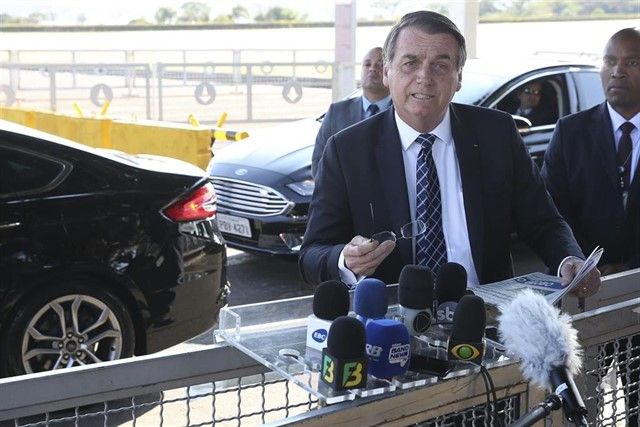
[
  {"x": 415, "y": 298},
  {"x": 546, "y": 343},
  {"x": 330, "y": 300},
  {"x": 344, "y": 361},
  {"x": 466, "y": 342},
  {"x": 451, "y": 285}
]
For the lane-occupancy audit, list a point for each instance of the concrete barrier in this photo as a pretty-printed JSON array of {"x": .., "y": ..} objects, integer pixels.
[{"x": 185, "y": 142}]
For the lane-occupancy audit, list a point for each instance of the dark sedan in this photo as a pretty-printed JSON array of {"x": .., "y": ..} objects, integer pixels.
[
  {"x": 102, "y": 255},
  {"x": 264, "y": 183}
]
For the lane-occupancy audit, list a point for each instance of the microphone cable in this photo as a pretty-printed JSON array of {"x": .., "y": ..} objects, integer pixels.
[{"x": 490, "y": 391}]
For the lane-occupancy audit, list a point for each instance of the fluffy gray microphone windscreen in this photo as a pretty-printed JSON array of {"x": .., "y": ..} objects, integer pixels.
[{"x": 540, "y": 336}]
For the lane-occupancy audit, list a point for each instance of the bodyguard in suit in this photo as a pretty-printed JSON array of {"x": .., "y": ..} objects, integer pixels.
[
  {"x": 375, "y": 98},
  {"x": 591, "y": 170},
  {"x": 591, "y": 164},
  {"x": 462, "y": 170}
]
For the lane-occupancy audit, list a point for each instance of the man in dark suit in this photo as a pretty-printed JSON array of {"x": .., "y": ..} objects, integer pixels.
[
  {"x": 469, "y": 162},
  {"x": 533, "y": 107},
  {"x": 591, "y": 170},
  {"x": 375, "y": 98},
  {"x": 581, "y": 168}
]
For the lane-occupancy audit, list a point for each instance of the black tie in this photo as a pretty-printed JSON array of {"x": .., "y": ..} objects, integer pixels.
[
  {"x": 373, "y": 109},
  {"x": 624, "y": 154}
]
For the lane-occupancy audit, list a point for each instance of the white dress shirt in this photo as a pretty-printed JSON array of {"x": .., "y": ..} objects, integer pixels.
[
  {"x": 616, "y": 121},
  {"x": 454, "y": 221}
]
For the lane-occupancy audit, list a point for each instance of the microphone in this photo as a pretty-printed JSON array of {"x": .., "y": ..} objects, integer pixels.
[
  {"x": 388, "y": 348},
  {"x": 546, "y": 343},
  {"x": 415, "y": 298},
  {"x": 451, "y": 285},
  {"x": 466, "y": 342},
  {"x": 344, "y": 361},
  {"x": 330, "y": 300},
  {"x": 370, "y": 300}
]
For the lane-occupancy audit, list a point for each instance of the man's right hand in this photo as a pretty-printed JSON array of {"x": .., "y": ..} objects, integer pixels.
[{"x": 363, "y": 255}]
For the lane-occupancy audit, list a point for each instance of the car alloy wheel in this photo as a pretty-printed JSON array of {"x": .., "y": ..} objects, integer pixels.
[
  {"x": 69, "y": 331},
  {"x": 64, "y": 325}
]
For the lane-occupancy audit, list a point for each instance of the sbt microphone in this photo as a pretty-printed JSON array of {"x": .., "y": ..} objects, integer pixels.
[
  {"x": 330, "y": 300},
  {"x": 415, "y": 298},
  {"x": 370, "y": 300},
  {"x": 344, "y": 361},
  {"x": 547, "y": 345},
  {"x": 388, "y": 348},
  {"x": 451, "y": 285},
  {"x": 466, "y": 342}
]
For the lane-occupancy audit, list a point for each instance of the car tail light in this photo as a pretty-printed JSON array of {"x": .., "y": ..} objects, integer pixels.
[{"x": 199, "y": 204}]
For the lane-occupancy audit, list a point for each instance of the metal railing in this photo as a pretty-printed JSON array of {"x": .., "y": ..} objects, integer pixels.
[
  {"x": 259, "y": 91},
  {"x": 218, "y": 384}
]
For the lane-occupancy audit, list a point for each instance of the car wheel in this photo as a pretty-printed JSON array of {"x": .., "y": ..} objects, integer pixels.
[{"x": 74, "y": 324}]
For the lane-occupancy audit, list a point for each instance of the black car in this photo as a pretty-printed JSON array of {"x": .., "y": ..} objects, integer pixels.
[
  {"x": 102, "y": 255},
  {"x": 264, "y": 183}
]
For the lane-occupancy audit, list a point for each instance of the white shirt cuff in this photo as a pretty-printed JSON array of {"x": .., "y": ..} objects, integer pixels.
[{"x": 347, "y": 276}]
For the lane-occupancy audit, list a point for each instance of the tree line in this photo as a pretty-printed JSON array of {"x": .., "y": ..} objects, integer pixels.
[{"x": 194, "y": 12}]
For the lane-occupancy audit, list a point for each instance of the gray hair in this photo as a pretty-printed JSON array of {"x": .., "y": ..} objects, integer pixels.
[{"x": 430, "y": 23}]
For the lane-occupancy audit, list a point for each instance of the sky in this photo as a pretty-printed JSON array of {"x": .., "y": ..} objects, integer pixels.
[{"x": 122, "y": 11}]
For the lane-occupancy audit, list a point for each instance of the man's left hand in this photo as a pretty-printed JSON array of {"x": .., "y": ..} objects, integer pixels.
[{"x": 588, "y": 286}]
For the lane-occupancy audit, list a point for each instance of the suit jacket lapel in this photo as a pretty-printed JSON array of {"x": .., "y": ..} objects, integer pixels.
[
  {"x": 468, "y": 153},
  {"x": 355, "y": 111},
  {"x": 600, "y": 130},
  {"x": 388, "y": 156}
]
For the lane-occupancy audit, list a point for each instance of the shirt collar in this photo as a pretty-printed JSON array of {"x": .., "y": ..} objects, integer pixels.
[
  {"x": 382, "y": 104},
  {"x": 408, "y": 134},
  {"x": 617, "y": 120}
]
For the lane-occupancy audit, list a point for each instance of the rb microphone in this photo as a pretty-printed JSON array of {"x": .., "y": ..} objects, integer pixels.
[
  {"x": 344, "y": 361},
  {"x": 415, "y": 298},
  {"x": 388, "y": 348},
  {"x": 466, "y": 342},
  {"x": 546, "y": 343},
  {"x": 451, "y": 285},
  {"x": 330, "y": 300},
  {"x": 370, "y": 300}
]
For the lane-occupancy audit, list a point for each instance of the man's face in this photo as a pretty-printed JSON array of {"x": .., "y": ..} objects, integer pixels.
[
  {"x": 620, "y": 74},
  {"x": 372, "y": 71},
  {"x": 530, "y": 95},
  {"x": 423, "y": 77}
]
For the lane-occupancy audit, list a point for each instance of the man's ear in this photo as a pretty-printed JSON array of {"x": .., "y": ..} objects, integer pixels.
[
  {"x": 459, "y": 81},
  {"x": 385, "y": 78}
]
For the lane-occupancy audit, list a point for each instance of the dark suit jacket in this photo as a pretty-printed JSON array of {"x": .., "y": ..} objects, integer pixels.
[
  {"x": 502, "y": 189},
  {"x": 340, "y": 115},
  {"x": 581, "y": 173}
]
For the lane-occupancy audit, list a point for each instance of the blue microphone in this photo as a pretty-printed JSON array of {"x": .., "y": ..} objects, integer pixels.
[
  {"x": 370, "y": 300},
  {"x": 388, "y": 348}
]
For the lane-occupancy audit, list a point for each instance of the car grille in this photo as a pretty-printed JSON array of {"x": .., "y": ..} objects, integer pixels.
[{"x": 243, "y": 197}]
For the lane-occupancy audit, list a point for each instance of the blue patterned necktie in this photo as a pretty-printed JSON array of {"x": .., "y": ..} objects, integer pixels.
[
  {"x": 371, "y": 110},
  {"x": 431, "y": 250}
]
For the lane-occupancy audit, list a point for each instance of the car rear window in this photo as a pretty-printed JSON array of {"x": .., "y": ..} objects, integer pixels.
[{"x": 22, "y": 172}]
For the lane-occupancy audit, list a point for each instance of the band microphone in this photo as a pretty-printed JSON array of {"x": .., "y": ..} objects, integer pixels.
[
  {"x": 344, "y": 361},
  {"x": 415, "y": 298},
  {"x": 388, "y": 347},
  {"x": 330, "y": 300},
  {"x": 546, "y": 343},
  {"x": 451, "y": 286},
  {"x": 466, "y": 342},
  {"x": 370, "y": 300}
]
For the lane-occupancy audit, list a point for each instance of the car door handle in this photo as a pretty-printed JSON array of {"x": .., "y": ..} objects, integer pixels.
[{"x": 7, "y": 225}]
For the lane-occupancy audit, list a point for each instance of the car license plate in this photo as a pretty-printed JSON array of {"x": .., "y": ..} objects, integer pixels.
[{"x": 234, "y": 225}]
